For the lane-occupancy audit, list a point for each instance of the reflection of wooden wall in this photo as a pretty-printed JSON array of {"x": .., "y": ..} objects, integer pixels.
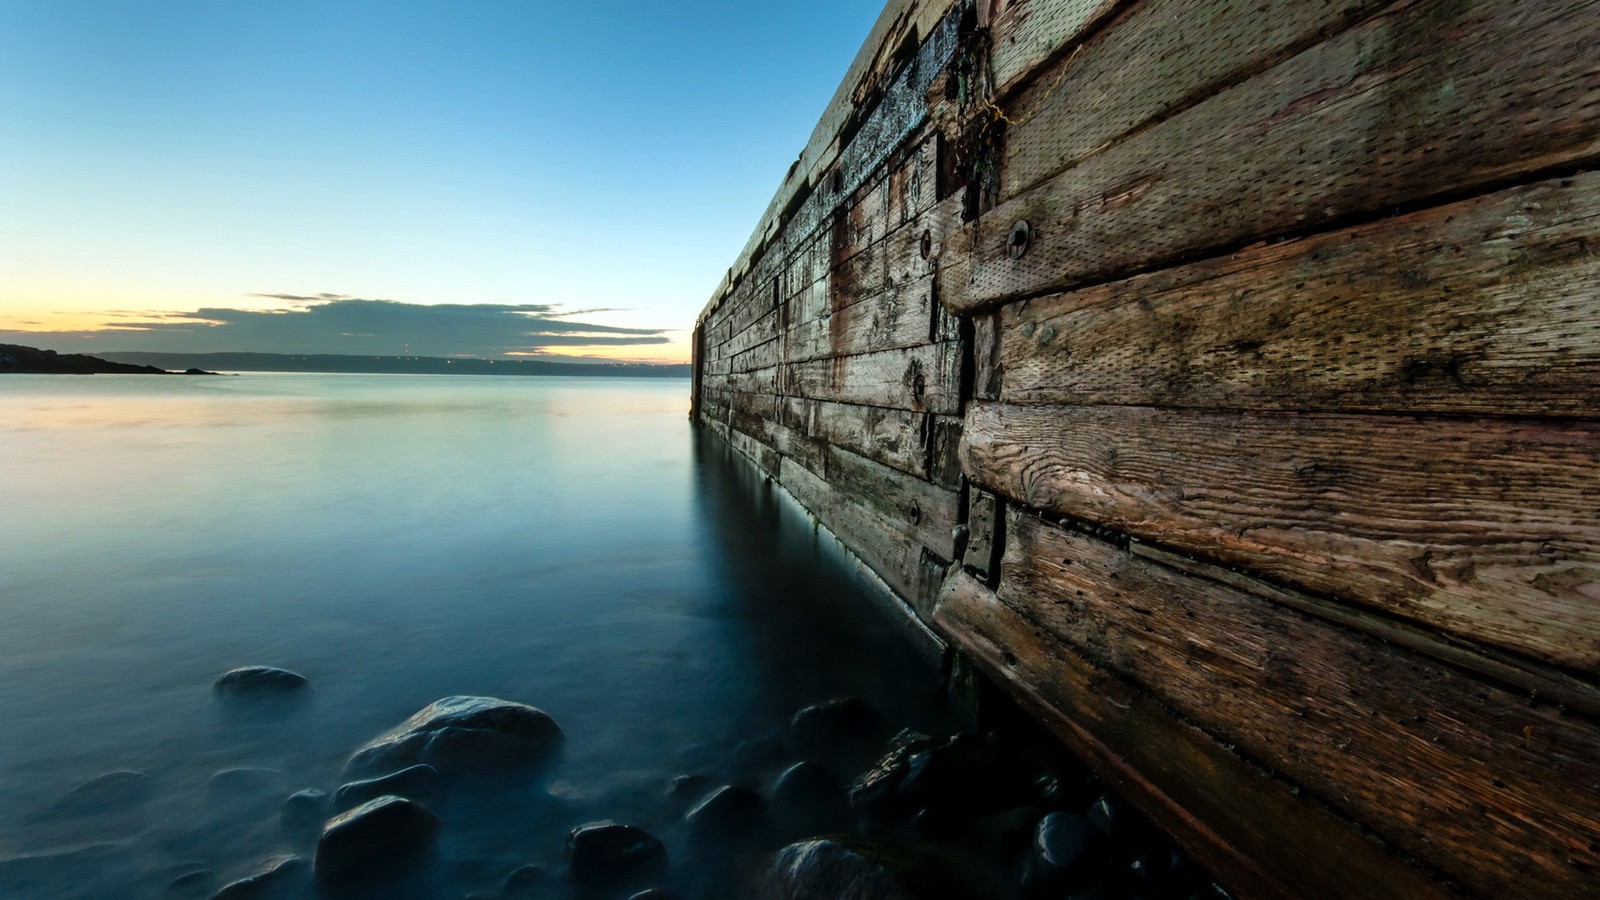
[{"x": 1264, "y": 462}]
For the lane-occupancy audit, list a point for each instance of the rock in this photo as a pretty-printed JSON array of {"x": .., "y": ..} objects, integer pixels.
[
  {"x": 962, "y": 776},
  {"x": 111, "y": 792},
  {"x": 757, "y": 755},
  {"x": 874, "y": 791},
  {"x": 684, "y": 792},
  {"x": 260, "y": 680},
  {"x": 305, "y": 810},
  {"x": 524, "y": 881},
  {"x": 605, "y": 854},
  {"x": 189, "y": 882},
  {"x": 844, "y": 724},
  {"x": 375, "y": 838},
  {"x": 241, "y": 782},
  {"x": 464, "y": 736},
  {"x": 417, "y": 782},
  {"x": 810, "y": 799},
  {"x": 275, "y": 878},
  {"x": 1119, "y": 821},
  {"x": 728, "y": 812},
  {"x": 851, "y": 869},
  {"x": 652, "y": 894},
  {"x": 1069, "y": 852}
]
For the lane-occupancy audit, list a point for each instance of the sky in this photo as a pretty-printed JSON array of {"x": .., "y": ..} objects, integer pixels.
[{"x": 471, "y": 177}]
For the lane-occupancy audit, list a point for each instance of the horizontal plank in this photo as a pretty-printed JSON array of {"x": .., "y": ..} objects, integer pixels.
[
  {"x": 1252, "y": 830},
  {"x": 1160, "y": 57},
  {"x": 921, "y": 379},
  {"x": 1483, "y": 528},
  {"x": 789, "y": 442},
  {"x": 914, "y": 182},
  {"x": 926, "y": 513},
  {"x": 893, "y": 437},
  {"x": 899, "y": 316},
  {"x": 760, "y": 381},
  {"x": 1025, "y": 34},
  {"x": 1494, "y": 790},
  {"x": 1430, "y": 98},
  {"x": 1485, "y": 306}
]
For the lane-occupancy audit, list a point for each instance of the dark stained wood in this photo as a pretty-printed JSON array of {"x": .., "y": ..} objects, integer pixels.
[
  {"x": 1160, "y": 57},
  {"x": 896, "y": 317},
  {"x": 1430, "y": 98},
  {"x": 1485, "y": 306},
  {"x": 922, "y": 511},
  {"x": 914, "y": 183},
  {"x": 1452, "y": 768},
  {"x": 893, "y": 437},
  {"x": 921, "y": 379},
  {"x": 986, "y": 364},
  {"x": 1484, "y": 528},
  {"x": 1256, "y": 832},
  {"x": 1025, "y": 34}
]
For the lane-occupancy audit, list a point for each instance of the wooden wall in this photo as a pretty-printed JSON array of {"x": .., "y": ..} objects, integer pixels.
[{"x": 1223, "y": 379}]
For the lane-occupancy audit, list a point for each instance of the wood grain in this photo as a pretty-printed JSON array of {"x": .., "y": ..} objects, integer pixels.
[
  {"x": 1457, "y": 770},
  {"x": 1484, "y": 528},
  {"x": 893, "y": 437},
  {"x": 1256, "y": 833},
  {"x": 921, "y": 379},
  {"x": 1025, "y": 34},
  {"x": 1428, "y": 99},
  {"x": 1486, "y": 306}
]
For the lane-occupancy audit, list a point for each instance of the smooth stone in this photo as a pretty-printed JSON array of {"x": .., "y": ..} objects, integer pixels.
[
  {"x": 191, "y": 881},
  {"x": 606, "y": 853},
  {"x": 729, "y": 811},
  {"x": 684, "y": 792},
  {"x": 524, "y": 880},
  {"x": 874, "y": 791},
  {"x": 245, "y": 781},
  {"x": 1120, "y": 821},
  {"x": 111, "y": 792},
  {"x": 1069, "y": 851},
  {"x": 413, "y": 782},
  {"x": 853, "y": 869},
  {"x": 757, "y": 754},
  {"x": 464, "y": 735},
  {"x": 376, "y": 838},
  {"x": 260, "y": 680},
  {"x": 275, "y": 876},
  {"x": 305, "y": 810},
  {"x": 810, "y": 798},
  {"x": 651, "y": 894}
]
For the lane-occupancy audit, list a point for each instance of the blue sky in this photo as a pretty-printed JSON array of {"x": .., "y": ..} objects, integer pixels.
[{"x": 599, "y": 163}]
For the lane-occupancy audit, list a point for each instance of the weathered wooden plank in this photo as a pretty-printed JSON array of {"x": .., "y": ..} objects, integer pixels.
[
  {"x": 1485, "y": 528},
  {"x": 1432, "y": 97},
  {"x": 893, "y": 437},
  {"x": 865, "y": 221},
  {"x": 986, "y": 365},
  {"x": 924, "y": 512},
  {"x": 911, "y": 250},
  {"x": 762, "y": 330},
  {"x": 1160, "y": 57},
  {"x": 898, "y": 316},
  {"x": 861, "y": 275},
  {"x": 921, "y": 379},
  {"x": 1485, "y": 306},
  {"x": 1255, "y": 832},
  {"x": 881, "y": 544},
  {"x": 760, "y": 381},
  {"x": 768, "y": 459},
  {"x": 761, "y": 356},
  {"x": 914, "y": 183},
  {"x": 1025, "y": 34},
  {"x": 792, "y": 444},
  {"x": 1495, "y": 790}
]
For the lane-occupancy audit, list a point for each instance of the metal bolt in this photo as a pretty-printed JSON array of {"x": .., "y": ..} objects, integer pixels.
[
  {"x": 916, "y": 512},
  {"x": 1019, "y": 239},
  {"x": 1047, "y": 334},
  {"x": 927, "y": 244}
]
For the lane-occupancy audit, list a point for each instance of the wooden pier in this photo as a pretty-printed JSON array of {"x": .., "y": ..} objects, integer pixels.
[{"x": 1221, "y": 380}]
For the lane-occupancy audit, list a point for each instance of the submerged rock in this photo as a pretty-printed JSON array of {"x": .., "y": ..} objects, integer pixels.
[
  {"x": 728, "y": 812},
  {"x": 1069, "y": 852},
  {"x": 874, "y": 791},
  {"x": 850, "y": 869},
  {"x": 305, "y": 810},
  {"x": 416, "y": 782},
  {"x": 683, "y": 792},
  {"x": 606, "y": 853},
  {"x": 262, "y": 680},
  {"x": 111, "y": 792},
  {"x": 808, "y": 799},
  {"x": 525, "y": 881},
  {"x": 463, "y": 736},
  {"x": 841, "y": 725},
  {"x": 377, "y": 838},
  {"x": 275, "y": 878}
]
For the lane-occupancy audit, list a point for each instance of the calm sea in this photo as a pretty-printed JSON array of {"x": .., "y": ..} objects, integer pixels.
[{"x": 569, "y": 543}]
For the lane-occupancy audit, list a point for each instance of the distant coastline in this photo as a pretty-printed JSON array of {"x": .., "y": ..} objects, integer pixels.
[
  {"x": 16, "y": 359},
  {"x": 415, "y": 365}
]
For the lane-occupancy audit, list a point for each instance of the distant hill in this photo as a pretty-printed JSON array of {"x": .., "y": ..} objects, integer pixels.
[
  {"x": 20, "y": 360},
  {"x": 414, "y": 365}
]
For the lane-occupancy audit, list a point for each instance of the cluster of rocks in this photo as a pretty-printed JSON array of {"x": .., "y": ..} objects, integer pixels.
[{"x": 834, "y": 807}]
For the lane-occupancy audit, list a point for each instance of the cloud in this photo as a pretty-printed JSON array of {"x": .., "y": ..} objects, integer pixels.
[{"x": 334, "y": 323}]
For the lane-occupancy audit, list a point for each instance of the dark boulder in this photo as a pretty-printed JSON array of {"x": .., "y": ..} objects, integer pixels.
[
  {"x": 838, "y": 727},
  {"x": 1069, "y": 853},
  {"x": 275, "y": 878},
  {"x": 651, "y": 894},
  {"x": 419, "y": 782},
  {"x": 683, "y": 792},
  {"x": 852, "y": 869},
  {"x": 525, "y": 881},
  {"x": 808, "y": 799},
  {"x": 111, "y": 792},
  {"x": 875, "y": 791},
  {"x": 729, "y": 812},
  {"x": 464, "y": 736},
  {"x": 376, "y": 838},
  {"x": 608, "y": 854},
  {"x": 260, "y": 680}
]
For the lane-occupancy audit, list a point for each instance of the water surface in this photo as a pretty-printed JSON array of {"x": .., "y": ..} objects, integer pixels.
[{"x": 569, "y": 543}]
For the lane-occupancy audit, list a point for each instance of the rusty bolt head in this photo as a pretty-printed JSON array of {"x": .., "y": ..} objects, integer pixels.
[
  {"x": 1017, "y": 242},
  {"x": 926, "y": 246},
  {"x": 916, "y": 512}
]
